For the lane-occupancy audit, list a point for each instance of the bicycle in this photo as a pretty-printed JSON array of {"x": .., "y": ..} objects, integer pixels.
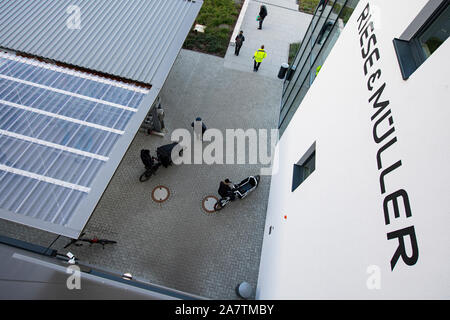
[
  {"x": 92, "y": 241},
  {"x": 163, "y": 158},
  {"x": 240, "y": 192}
]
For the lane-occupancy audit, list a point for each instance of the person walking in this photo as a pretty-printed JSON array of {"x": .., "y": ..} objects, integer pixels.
[
  {"x": 199, "y": 122},
  {"x": 259, "y": 56},
  {"x": 239, "y": 41},
  {"x": 262, "y": 15}
]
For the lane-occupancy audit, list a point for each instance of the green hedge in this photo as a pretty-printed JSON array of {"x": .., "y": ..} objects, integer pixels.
[
  {"x": 219, "y": 17},
  {"x": 307, "y": 6}
]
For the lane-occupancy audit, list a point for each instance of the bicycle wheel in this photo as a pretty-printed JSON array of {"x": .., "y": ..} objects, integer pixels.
[
  {"x": 145, "y": 176},
  {"x": 220, "y": 204}
]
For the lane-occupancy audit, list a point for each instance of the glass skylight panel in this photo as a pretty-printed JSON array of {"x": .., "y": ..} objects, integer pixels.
[{"x": 58, "y": 127}]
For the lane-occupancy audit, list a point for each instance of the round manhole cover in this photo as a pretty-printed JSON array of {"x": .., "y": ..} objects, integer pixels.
[
  {"x": 160, "y": 194},
  {"x": 208, "y": 204}
]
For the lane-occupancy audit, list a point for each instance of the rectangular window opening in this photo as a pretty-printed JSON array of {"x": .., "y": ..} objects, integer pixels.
[
  {"x": 304, "y": 167},
  {"x": 430, "y": 35}
]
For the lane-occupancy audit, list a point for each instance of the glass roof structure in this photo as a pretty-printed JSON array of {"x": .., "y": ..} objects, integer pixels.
[{"x": 59, "y": 131}]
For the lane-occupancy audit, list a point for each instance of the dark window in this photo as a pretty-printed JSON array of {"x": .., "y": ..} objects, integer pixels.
[
  {"x": 411, "y": 54},
  {"x": 304, "y": 167},
  {"x": 435, "y": 34}
]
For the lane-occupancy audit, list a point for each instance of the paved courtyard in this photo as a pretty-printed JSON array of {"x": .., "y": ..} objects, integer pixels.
[{"x": 176, "y": 243}]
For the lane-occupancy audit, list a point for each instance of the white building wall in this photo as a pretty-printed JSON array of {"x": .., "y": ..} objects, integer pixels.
[{"x": 335, "y": 226}]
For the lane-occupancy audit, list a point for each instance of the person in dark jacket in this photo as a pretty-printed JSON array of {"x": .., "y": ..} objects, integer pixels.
[
  {"x": 200, "y": 121},
  {"x": 226, "y": 189},
  {"x": 239, "y": 41},
  {"x": 262, "y": 15},
  {"x": 327, "y": 26}
]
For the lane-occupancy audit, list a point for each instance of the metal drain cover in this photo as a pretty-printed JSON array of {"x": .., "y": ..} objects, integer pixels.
[
  {"x": 160, "y": 194},
  {"x": 208, "y": 204}
]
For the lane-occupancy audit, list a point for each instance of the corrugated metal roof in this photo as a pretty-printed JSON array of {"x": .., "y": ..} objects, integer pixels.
[{"x": 126, "y": 38}]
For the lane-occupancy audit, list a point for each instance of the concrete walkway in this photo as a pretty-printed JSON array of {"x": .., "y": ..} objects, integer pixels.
[{"x": 283, "y": 25}]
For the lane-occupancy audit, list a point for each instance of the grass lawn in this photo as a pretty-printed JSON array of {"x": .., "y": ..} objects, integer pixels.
[{"x": 219, "y": 17}]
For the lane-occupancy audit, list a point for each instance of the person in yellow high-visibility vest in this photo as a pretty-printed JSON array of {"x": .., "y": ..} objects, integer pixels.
[{"x": 259, "y": 56}]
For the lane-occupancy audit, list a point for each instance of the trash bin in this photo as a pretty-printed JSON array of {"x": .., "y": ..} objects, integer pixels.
[
  {"x": 290, "y": 73},
  {"x": 283, "y": 69}
]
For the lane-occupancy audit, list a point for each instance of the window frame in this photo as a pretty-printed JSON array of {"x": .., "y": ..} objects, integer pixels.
[
  {"x": 298, "y": 176},
  {"x": 408, "y": 48}
]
